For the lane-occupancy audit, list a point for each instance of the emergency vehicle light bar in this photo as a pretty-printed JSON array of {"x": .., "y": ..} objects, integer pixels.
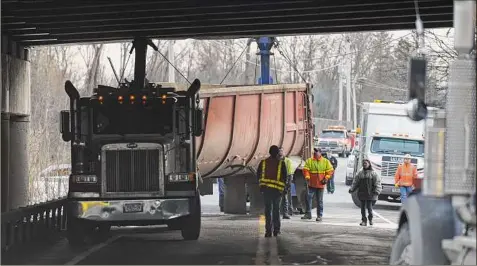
[{"x": 384, "y": 101}]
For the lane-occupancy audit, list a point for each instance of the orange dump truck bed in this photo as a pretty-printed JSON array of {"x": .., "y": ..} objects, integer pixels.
[{"x": 242, "y": 122}]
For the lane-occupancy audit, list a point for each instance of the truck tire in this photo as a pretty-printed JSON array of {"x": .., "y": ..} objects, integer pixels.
[
  {"x": 301, "y": 191},
  {"x": 356, "y": 200},
  {"x": 348, "y": 182},
  {"x": 400, "y": 252},
  {"x": 77, "y": 231},
  {"x": 191, "y": 225}
]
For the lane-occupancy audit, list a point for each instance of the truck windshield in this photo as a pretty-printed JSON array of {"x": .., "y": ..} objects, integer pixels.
[
  {"x": 137, "y": 119},
  {"x": 332, "y": 134},
  {"x": 397, "y": 146}
]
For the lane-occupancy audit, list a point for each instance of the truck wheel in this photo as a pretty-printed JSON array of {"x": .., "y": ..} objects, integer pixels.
[
  {"x": 401, "y": 249},
  {"x": 191, "y": 225},
  {"x": 348, "y": 182},
  {"x": 356, "y": 200},
  {"x": 76, "y": 231}
]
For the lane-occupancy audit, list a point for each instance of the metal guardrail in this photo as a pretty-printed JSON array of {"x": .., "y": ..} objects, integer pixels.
[{"x": 32, "y": 222}]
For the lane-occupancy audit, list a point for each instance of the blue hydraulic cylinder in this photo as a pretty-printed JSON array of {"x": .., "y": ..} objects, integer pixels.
[{"x": 265, "y": 44}]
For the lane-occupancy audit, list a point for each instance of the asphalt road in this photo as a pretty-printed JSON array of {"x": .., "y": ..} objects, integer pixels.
[{"x": 232, "y": 239}]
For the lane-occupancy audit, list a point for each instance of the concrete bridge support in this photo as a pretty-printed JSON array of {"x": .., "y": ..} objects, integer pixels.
[
  {"x": 234, "y": 195},
  {"x": 15, "y": 107}
]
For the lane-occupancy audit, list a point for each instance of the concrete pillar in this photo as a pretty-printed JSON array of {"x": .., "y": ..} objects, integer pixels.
[
  {"x": 256, "y": 199},
  {"x": 235, "y": 201},
  {"x": 15, "y": 107},
  {"x": 5, "y": 162},
  {"x": 19, "y": 179}
]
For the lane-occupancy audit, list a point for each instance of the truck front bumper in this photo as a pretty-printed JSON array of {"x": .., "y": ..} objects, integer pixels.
[
  {"x": 129, "y": 210},
  {"x": 334, "y": 149},
  {"x": 391, "y": 191}
]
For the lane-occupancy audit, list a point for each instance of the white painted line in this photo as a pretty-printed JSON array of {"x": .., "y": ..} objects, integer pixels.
[
  {"x": 384, "y": 219},
  {"x": 90, "y": 251},
  {"x": 377, "y": 225}
]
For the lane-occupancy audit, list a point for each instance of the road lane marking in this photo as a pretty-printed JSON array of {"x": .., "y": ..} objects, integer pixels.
[
  {"x": 355, "y": 224},
  {"x": 384, "y": 219},
  {"x": 267, "y": 249},
  {"x": 260, "y": 256},
  {"x": 90, "y": 251}
]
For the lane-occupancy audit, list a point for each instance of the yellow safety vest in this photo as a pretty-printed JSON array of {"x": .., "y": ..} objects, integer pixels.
[
  {"x": 289, "y": 166},
  {"x": 272, "y": 183}
]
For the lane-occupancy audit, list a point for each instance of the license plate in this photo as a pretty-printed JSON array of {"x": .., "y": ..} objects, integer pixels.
[
  {"x": 133, "y": 207},
  {"x": 396, "y": 189}
]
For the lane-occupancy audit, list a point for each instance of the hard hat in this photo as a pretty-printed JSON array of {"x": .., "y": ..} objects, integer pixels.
[{"x": 407, "y": 156}]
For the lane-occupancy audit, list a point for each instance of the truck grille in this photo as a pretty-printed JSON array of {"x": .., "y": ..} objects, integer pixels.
[
  {"x": 331, "y": 144},
  {"x": 132, "y": 170},
  {"x": 390, "y": 168}
]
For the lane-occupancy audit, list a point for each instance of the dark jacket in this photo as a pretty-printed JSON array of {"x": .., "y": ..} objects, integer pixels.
[
  {"x": 333, "y": 162},
  {"x": 271, "y": 169},
  {"x": 368, "y": 184}
]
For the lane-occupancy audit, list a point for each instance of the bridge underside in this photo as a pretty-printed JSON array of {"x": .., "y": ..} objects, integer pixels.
[{"x": 47, "y": 22}]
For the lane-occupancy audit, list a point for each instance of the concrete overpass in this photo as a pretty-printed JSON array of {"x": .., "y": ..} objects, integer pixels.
[{"x": 26, "y": 24}]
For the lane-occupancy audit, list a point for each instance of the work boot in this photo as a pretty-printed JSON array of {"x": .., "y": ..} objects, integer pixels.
[
  {"x": 363, "y": 223},
  {"x": 319, "y": 219},
  {"x": 307, "y": 216},
  {"x": 370, "y": 222},
  {"x": 276, "y": 233},
  {"x": 268, "y": 234}
]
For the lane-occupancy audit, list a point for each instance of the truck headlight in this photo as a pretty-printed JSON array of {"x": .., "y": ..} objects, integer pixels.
[
  {"x": 180, "y": 177},
  {"x": 85, "y": 179},
  {"x": 350, "y": 164}
]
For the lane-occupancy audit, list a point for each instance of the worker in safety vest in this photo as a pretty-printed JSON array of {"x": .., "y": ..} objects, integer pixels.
[
  {"x": 317, "y": 172},
  {"x": 403, "y": 179},
  {"x": 287, "y": 209},
  {"x": 272, "y": 176}
]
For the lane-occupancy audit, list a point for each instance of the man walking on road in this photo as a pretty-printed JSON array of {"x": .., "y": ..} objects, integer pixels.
[
  {"x": 272, "y": 176},
  {"x": 317, "y": 172},
  {"x": 405, "y": 174},
  {"x": 330, "y": 185},
  {"x": 286, "y": 204}
]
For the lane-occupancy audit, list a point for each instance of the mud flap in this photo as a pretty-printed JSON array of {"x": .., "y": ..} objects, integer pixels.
[
  {"x": 430, "y": 220},
  {"x": 206, "y": 187},
  {"x": 302, "y": 191}
]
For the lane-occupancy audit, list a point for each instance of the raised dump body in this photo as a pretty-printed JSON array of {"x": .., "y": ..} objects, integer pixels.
[{"x": 242, "y": 122}]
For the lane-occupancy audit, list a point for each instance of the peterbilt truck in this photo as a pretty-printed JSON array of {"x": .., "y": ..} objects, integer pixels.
[
  {"x": 133, "y": 156},
  {"x": 438, "y": 225}
]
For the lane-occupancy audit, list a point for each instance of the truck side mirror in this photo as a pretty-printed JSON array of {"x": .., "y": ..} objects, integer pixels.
[
  {"x": 199, "y": 121},
  {"x": 65, "y": 125}
]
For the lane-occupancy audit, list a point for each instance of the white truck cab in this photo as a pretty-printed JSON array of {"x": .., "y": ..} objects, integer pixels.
[
  {"x": 387, "y": 134},
  {"x": 386, "y": 152}
]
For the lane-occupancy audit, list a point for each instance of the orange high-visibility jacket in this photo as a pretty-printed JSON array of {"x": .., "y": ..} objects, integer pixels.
[
  {"x": 317, "y": 169},
  {"x": 405, "y": 174}
]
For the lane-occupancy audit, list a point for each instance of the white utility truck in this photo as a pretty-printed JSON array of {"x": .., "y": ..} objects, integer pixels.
[{"x": 387, "y": 134}]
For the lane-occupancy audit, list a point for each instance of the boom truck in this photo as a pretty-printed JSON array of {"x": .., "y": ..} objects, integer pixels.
[
  {"x": 438, "y": 225},
  {"x": 144, "y": 152}
]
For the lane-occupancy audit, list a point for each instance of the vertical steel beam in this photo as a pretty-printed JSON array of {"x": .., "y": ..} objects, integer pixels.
[{"x": 265, "y": 44}]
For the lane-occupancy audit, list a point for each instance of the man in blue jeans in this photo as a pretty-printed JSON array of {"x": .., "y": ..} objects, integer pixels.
[{"x": 317, "y": 172}]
